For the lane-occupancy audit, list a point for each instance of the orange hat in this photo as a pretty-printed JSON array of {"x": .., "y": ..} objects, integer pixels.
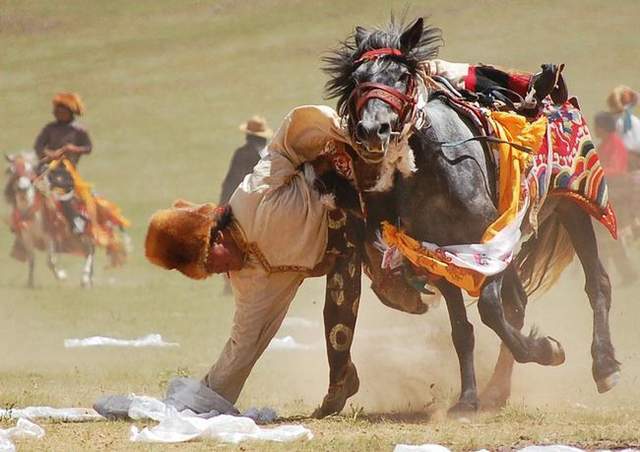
[
  {"x": 70, "y": 100},
  {"x": 621, "y": 97},
  {"x": 179, "y": 237},
  {"x": 257, "y": 126}
]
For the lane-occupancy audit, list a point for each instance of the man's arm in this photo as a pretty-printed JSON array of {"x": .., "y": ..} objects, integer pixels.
[
  {"x": 81, "y": 146},
  {"x": 40, "y": 144}
]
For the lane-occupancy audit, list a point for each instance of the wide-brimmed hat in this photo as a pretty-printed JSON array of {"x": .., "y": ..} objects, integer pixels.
[
  {"x": 620, "y": 98},
  {"x": 179, "y": 237},
  {"x": 70, "y": 100},
  {"x": 257, "y": 126}
]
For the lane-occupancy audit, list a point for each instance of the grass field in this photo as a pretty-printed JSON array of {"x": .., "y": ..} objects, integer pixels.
[{"x": 166, "y": 84}]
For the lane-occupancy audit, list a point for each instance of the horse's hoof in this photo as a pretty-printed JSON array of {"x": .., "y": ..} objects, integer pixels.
[
  {"x": 86, "y": 283},
  {"x": 555, "y": 354},
  {"x": 336, "y": 398},
  {"x": 61, "y": 275},
  {"x": 607, "y": 383},
  {"x": 462, "y": 409}
]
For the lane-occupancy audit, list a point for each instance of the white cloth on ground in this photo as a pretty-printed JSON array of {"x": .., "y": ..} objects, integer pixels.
[
  {"x": 23, "y": 429},
  {"x": 54, "y": 414},
  {"x": 150, "y": 340},
  {"x": 177, "y": 427}
]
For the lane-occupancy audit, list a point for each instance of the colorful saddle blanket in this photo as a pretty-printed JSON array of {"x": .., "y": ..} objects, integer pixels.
[
  {"x": 567, "y": 165},
  {"x": 562, "y": 162}
]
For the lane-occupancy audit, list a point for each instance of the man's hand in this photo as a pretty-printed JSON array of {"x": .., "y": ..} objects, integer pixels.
[{"x": 51, "y": 154}]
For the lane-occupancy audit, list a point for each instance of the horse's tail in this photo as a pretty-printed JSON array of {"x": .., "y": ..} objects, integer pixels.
[{"x": 544, "y": 256}]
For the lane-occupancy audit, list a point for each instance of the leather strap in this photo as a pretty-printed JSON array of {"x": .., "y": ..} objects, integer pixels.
[{"x": 377, "y": 53}]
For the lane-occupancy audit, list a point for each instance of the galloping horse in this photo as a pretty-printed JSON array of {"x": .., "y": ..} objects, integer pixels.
[
  {"x": 38, "y": 224},
  {"x": 446, "y": 195}
]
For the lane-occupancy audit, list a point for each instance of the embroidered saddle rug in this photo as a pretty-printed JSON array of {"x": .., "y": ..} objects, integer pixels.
[{"x": 562, "y": 162}]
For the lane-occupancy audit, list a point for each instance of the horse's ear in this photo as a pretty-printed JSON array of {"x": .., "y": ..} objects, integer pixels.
[
  {"x": 9, "y": 158},
  {"x": 360, "y": 35},
  {"x": 411, "y": 37}
]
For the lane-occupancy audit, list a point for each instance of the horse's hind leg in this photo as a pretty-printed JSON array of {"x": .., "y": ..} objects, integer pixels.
[
  {"x": 463, "y": 341},
  {"x": 606, "y": 369},
  {"x": 87, "y": 270},
  {"x": 31, "y": 262},
  {"x": 342, "y": 297},
  {"x": 514, "y": 301},
  {"x": 52, "y": 263},
  {"x": 542, "y": 350}
]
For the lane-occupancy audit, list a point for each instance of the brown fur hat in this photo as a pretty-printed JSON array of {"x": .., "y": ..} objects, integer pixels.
[
  {"x": 70, "y": 100},
  {"x": 178, "y": 237}
]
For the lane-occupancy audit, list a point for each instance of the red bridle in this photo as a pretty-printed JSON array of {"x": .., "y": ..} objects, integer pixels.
[{"x": 401, "y": 103}]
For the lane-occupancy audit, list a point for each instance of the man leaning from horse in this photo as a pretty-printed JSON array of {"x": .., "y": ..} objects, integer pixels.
[{"x": 279, "y": 228}]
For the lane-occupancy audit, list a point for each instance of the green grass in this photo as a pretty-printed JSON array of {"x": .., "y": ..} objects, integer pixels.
[{"x": 166, "y": 84}]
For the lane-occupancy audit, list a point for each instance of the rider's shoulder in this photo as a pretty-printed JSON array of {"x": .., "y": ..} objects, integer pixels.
[
  {"x": 312, "y": 110},
  {"x": 311, "y": 116}
]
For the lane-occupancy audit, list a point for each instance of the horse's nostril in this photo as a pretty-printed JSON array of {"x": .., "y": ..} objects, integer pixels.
[
  {"x": 384, "y": 129},
  {"x": 361, "y": 132}
]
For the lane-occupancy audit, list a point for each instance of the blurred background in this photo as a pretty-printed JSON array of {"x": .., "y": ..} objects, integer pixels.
[{"x": 166, "y": 84}]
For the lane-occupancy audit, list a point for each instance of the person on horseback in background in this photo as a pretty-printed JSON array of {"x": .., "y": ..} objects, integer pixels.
[{"x": 64, "y": 138}]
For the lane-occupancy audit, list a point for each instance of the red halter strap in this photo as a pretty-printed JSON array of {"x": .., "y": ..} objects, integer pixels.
[
  {"x": 377, "y": 53},
  {"x": 400, "y": 102}
]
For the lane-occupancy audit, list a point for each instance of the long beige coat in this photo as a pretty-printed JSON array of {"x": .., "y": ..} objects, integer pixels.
[{"x": 282, "y": 223}]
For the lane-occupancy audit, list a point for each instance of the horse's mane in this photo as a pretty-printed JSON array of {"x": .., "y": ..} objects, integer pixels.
[{"x": 340, "y": 63}]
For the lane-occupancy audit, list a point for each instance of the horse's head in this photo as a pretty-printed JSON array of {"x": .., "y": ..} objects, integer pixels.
[
  {"x": 21, "y": 173},
  {"x": 374, "y": 77}
]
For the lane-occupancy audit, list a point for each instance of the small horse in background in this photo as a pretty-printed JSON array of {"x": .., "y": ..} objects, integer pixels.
[{"x": 38, "y": 224}]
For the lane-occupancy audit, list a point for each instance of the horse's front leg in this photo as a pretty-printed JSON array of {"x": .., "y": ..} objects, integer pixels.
[
  {"x": 542, "y": 350},
  {"x": 341, "y": 302},
  {"x": 514, "y": 300},
  {"x": 463, "y": 341}
]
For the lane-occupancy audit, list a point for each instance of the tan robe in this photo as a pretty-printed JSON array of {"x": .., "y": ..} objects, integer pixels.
[{"x": 281, "y": 222}]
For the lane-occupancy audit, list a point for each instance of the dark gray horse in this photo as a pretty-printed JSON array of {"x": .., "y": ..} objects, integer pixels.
[{"x": 450, "y": 200}]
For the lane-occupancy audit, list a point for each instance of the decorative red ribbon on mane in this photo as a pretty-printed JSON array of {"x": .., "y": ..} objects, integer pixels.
[{"x": 377, "y": 53}]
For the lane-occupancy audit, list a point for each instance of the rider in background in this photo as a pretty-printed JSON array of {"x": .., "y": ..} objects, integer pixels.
[
  {"x": 614, "y": 157},
  {"x": 612, "y": 150},
  {"x": 64, "y": 137},
  {"x": 622, "y": 101}
]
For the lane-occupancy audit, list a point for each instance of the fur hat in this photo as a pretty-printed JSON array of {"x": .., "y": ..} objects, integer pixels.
[
  {"x": 179, "y": 237},
  {"x": 620, "y": 98},
  {"x": 257, "y": 126},
  {"x": 70, "y": 100}
]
